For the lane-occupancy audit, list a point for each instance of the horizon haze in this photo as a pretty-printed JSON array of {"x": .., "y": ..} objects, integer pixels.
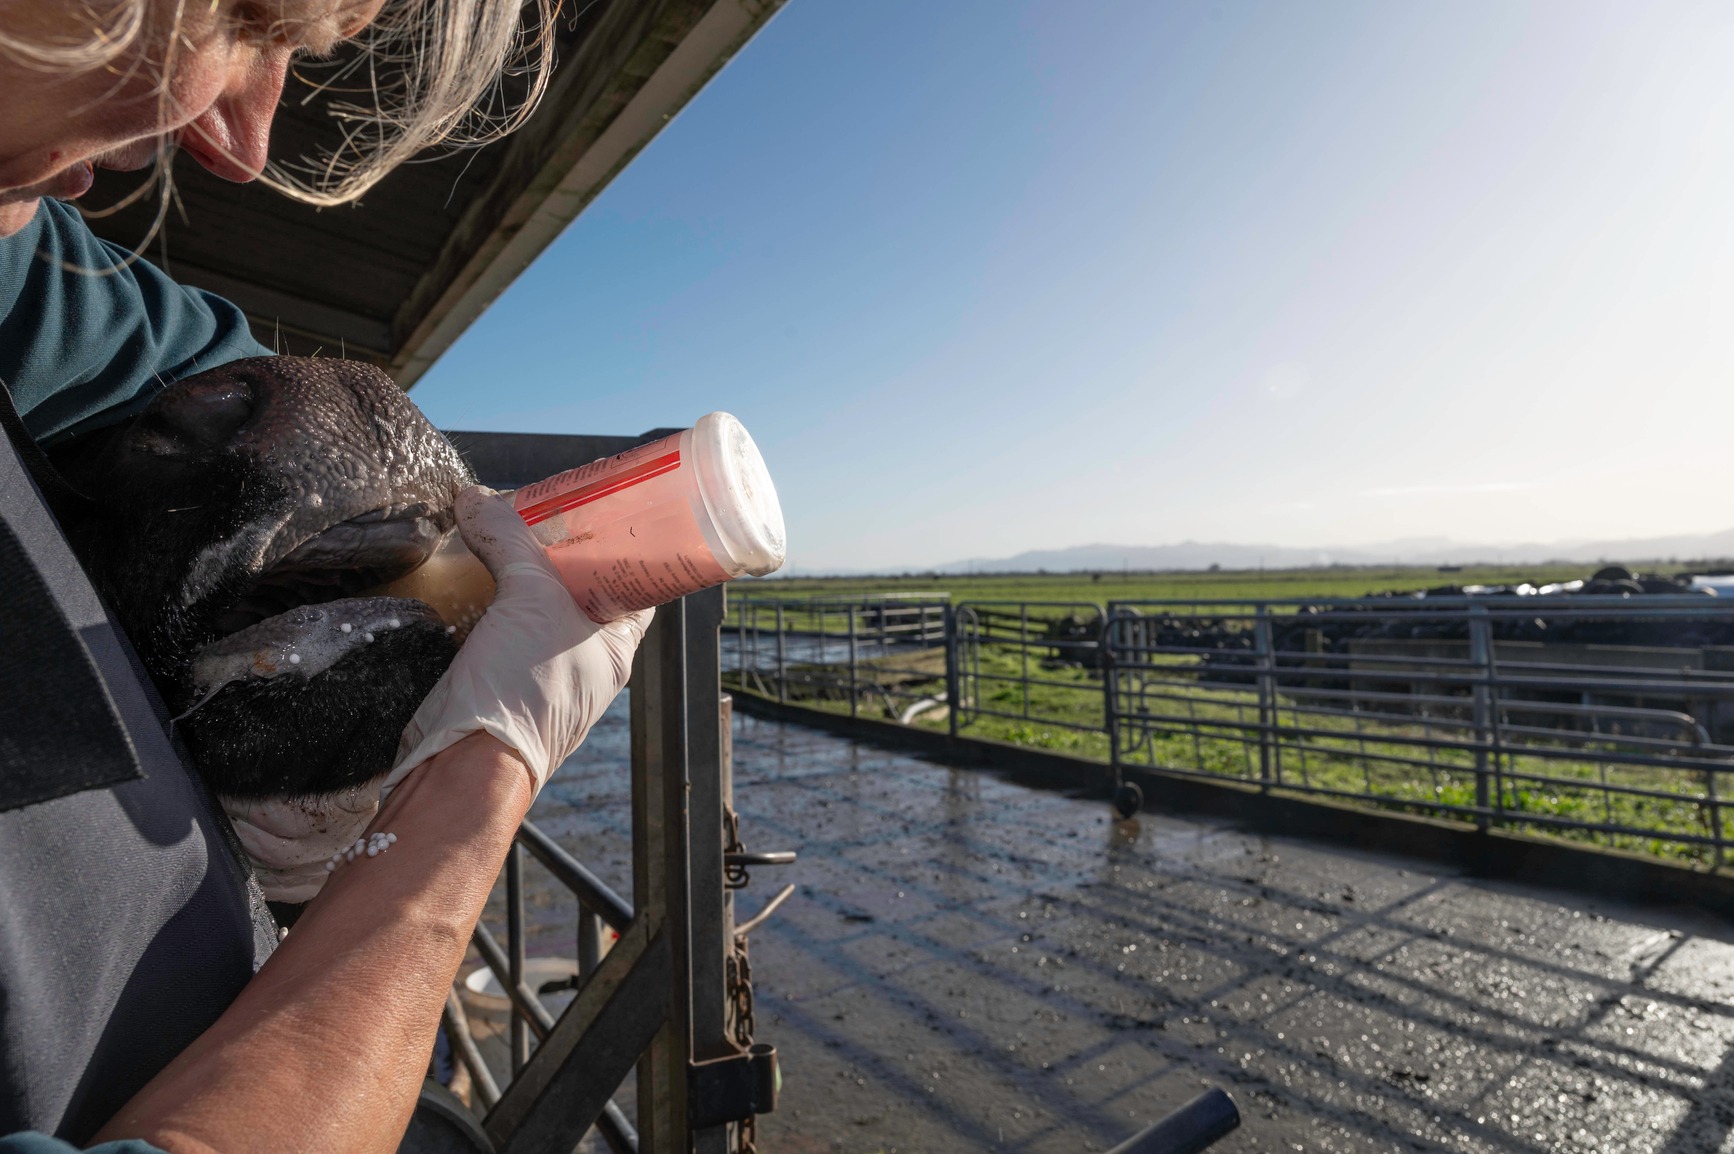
[{"x": 1714, "y": 550}]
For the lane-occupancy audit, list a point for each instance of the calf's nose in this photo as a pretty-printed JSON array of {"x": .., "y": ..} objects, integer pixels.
[{"x": 196, "y": 415}]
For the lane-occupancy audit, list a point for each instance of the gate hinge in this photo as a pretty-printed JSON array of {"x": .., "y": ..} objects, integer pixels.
[{"x": 732, "y": 1089}]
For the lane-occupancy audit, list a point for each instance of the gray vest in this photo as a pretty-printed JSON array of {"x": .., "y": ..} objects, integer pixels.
[{"x": 128, "y": 919}]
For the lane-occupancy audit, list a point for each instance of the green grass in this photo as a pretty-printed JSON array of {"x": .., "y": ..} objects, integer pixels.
[
  {"x": 1012, "y": 697},
  {"x": 1275, "y": 584}
]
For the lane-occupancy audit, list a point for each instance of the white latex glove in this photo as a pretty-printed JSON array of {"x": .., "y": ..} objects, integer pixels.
[
  {"x": 535, "y": 672},
  {"x": 290, "y": 839}
]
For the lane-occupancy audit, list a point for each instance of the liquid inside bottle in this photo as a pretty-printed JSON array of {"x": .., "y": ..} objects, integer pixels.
[{"x": 453, "y": 581}]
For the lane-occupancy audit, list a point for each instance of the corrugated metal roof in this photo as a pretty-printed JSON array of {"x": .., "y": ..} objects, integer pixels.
[{"x": 397, "y": 278}]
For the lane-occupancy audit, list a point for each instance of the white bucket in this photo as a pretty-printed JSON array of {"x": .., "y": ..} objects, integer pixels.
[{"x": 483, "y": 995}]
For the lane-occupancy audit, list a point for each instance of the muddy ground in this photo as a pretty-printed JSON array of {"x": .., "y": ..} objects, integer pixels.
[{"x": 973, "y": 965}]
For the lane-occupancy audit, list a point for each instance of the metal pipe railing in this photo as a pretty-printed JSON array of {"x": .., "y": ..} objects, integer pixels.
[
  {"x": 593, "y": 895},
  {"x": 1428, "y": 704}
]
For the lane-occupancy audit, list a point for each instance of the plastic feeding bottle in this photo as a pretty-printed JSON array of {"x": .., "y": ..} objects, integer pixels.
[{"x": 642, "y": 528}]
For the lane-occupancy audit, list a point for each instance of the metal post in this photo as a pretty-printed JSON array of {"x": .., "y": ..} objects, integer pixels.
[
  {"x": 710, "y": 925},
  {"x": 1111, "y": 693},
  {"x": 953, "y": 683},
  {"x": 1262, "y": 646},
  {"x": 677, "y": 819},
  {"x": 741, "y": 643},
  {"x": 782, "y": 659},
  {"x": 854, "y": 670},
  {"x": 457, "y": 1025},
  {"x": 659, "y": 874},
  {"x": 589, "y": 943},
  {"x": 1481, "y": 657},
  {"x": 515, "y": 950},
  {"x": 725, "y": 942},
  {"x": 1024, "y": 649},
  {"x": 1715, "y": 815}
]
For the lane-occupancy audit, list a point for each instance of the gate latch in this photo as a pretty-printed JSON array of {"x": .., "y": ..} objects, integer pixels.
[{"x": 732, "y": 1089}]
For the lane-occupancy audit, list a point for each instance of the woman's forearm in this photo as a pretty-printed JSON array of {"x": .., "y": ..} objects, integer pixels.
[{"x": 325, "y": 1049}]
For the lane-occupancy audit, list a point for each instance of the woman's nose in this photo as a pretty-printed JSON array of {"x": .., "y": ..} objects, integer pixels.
[{"x": 230, "y": 138}]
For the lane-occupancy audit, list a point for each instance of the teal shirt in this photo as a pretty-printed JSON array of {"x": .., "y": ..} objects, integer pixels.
[
  {"x": 33, "y": 1143},
  {"x": 86, "y": 339},
  {"x": 84, "y": 346}
]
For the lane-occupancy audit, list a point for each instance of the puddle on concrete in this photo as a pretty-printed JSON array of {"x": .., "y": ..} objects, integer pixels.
[{"x": 973, "y": 965}]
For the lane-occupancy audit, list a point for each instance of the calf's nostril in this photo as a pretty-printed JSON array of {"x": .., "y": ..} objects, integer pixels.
[{"x": 200, "y": 414}]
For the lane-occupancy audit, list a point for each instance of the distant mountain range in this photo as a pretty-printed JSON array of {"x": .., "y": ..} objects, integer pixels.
[{"x": 1408, "y": 551}]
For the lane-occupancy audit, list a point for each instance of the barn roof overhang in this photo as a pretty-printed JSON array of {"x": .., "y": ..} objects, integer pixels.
[{"x": 398, "y": 277}]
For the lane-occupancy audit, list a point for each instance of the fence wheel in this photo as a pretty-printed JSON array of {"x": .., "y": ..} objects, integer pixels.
[{"x": 1128, "y": 799}]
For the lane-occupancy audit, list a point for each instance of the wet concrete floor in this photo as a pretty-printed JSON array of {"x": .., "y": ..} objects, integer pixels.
[{"x": 970, "y": 964}]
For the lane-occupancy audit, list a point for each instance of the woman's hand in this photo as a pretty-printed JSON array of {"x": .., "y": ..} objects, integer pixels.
[{"x": 536, "y": 673}]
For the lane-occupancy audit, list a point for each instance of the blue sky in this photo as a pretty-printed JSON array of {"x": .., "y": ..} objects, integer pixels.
[{"x": 989, "y": 276}]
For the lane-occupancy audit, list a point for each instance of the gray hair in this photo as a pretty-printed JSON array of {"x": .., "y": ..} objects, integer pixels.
[{"x": 423, "y": 74}]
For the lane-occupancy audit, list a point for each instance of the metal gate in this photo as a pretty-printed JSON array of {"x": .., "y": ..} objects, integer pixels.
[{"x": 673, "y": 997}]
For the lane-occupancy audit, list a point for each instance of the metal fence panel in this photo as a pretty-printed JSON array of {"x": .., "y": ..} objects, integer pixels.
[
  {"x": 879, "y": 654},
  {"x": 1518, "y": 712},
  {"x": 1601, "y": 718}
]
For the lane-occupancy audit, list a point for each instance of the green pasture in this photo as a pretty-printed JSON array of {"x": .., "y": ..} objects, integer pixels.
[{"x": 1248, "y": 584}]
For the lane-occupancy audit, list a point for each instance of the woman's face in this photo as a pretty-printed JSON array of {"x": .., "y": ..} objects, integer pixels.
[{"x": 207, "y": 78}]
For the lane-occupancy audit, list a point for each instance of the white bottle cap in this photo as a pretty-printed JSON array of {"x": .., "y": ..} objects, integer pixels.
[{"x": 737, "y": 493}]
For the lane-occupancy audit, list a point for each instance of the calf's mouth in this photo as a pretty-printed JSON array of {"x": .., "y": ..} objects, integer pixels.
[
  {"x": 305, "y": 681},
  {"x": 310, "y": 609},
  {"x": 343, "y": 560}
]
